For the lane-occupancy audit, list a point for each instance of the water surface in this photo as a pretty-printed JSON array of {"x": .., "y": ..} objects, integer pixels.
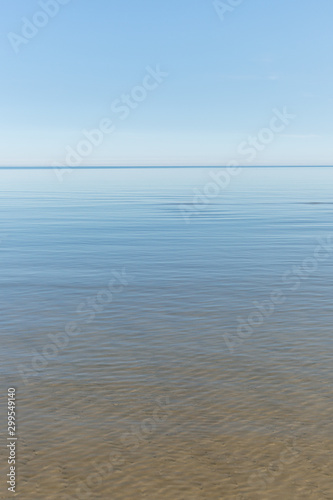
[{"x": 139, "y": 329}]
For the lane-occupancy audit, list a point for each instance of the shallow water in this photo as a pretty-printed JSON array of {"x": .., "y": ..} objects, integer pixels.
[{"x": 164, "y": 345}]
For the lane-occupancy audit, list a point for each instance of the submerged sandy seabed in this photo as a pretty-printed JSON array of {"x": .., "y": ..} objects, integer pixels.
[{"x": 148, "y": 442}]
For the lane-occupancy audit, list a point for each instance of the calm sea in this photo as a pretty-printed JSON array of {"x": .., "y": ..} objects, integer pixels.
[{"x": 168, "y": 333}]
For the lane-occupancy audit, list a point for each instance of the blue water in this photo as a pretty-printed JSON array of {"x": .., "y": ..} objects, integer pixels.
[{"x": 152, "y": 298}]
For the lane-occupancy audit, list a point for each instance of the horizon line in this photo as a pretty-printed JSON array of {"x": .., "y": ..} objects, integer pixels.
[{"x": 159, "y": 166}]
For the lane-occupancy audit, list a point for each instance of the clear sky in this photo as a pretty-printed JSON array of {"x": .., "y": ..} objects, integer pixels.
[{"x": 195, "y": 82}]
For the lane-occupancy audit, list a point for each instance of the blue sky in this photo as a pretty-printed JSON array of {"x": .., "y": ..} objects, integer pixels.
[{"x": 225, "y": 76}]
